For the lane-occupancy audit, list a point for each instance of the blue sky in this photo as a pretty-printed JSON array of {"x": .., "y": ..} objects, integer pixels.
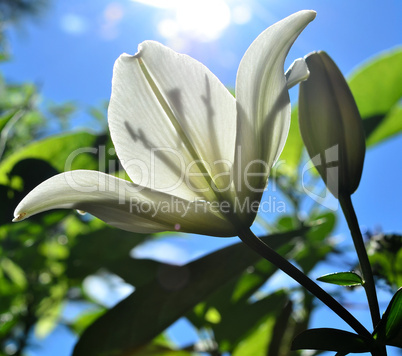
[{"x": 71, "y": 50}]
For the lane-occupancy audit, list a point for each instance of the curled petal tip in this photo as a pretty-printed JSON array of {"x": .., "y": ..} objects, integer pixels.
[
  {"x": 125, "y": 56},
  {"x": 19, "y": 217},
  {"x": 142, "y": 46},
  {"x": 312, "y": 13},
  {"x": 306, "y": 15},
  {"x": 139, "y": 50}
]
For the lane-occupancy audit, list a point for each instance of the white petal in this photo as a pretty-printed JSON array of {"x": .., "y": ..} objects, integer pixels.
[
  {"x": 169, "y": 114},
  {"x": 296, "y": 73},
  {"x": 123, "y": 204},
  {"x": 263, "y": 100}
]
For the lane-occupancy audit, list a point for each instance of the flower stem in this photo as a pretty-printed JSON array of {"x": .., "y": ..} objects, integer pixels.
[
  {"x": 369, "y": 286},
  {"x": 255, "y": 243}
]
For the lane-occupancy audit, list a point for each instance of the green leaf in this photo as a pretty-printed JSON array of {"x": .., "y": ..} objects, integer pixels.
[
  {"x": 377, "y": 90},
  {"x": 376, "y": 85},
  {"x": 88, "y": 256},
  {"x": 85, "y": 320},
  {"x": 317, "y": 245},
  {"x": 327, "y": 339},
  {"x": 238, "y": 315},
  {"x": 15, "y": 97},
  {"x": 322, "y": 225},
  {"x": 162, "y": 346},
  {"x": 171, "y": 294},
  {"x": 283, "y": 327},
  {"x": 391, "y": 124},
  {"x": 45, "y": 325},
  {"x": 213, "y": 316},
  {"x": 49, "y": 310},
  {"x": 386, "y": 258},
  {"x": 72, "y": 151},
  {"x": 5, "y": 118},
  {"x": 155, "y": 349},
  {"x": 54, "y": 250},
  {"x": 242, "y": 309},
  {"x": 6, "y": 207},
  {"x": 256, "y": 344},
  {"x": 14, "y": 272},
  {"x": 348, "y": 279},
  {"x": 31, "y": 172},
  {"x": 389, "y": 330},
  {"x": 246, "y": 317}
]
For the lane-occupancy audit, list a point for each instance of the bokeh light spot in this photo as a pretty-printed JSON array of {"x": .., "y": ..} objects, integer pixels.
[
  {"x": 112, "y": 16},
  {"x": 203, "y": 20},
  {"x": 199, "y": 20},
  {"x": 241, "y": 14},
  {"x": 73, "y": 24},
  {"x": 168, "y": 28}
]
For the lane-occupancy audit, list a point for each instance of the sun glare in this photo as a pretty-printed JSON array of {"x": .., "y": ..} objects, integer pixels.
[
  {"x": 205, "y": 20},
  {"x": 163, "y": 4},
  {"x": 200, "y": 20}
]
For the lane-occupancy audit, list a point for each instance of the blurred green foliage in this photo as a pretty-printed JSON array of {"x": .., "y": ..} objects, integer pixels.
[
  {"x": 12, "y": 13},
  {"x": 16, "y": 10}
]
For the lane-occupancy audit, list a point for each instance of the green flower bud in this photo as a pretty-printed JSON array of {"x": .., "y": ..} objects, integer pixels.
[{"x": 331, "y": 125}]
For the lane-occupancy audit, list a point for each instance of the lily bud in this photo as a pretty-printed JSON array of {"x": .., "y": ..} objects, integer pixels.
[{"x": 331, "y": 126}]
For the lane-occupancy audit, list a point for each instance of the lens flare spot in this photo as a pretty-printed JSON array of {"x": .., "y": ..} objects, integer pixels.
[
  {"x": 203, "y": 20},
  {"x": 241, "y": 14},
  {"x": 199, "y": 20}
]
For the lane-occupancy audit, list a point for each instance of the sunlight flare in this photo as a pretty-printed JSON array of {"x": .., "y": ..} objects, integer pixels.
[{"x": 200, "y": 20}]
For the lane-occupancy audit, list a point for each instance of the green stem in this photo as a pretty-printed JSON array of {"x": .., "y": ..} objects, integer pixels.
[
  {"x": 269, "y": 254},
  {"x": 369, "y": 286}
]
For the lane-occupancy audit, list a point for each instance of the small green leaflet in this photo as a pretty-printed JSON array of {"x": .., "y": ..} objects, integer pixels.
[
  {"x": 348, "y": 279},
  {"x": 389, "y": 329},
  {"x": 327, "y": 339}
]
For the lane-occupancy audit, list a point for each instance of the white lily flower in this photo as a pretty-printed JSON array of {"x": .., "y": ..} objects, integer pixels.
[{"x": 198, "y": 158}]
